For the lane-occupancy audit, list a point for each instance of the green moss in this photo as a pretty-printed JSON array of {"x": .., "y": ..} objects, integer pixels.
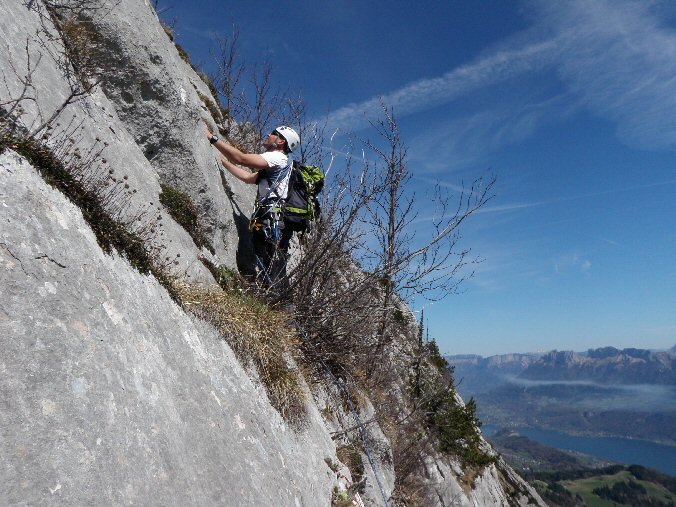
[
  {"x": 340, "y": 499},
  {"x": 229, "y": 279},
  {"x": 183, "y": 53},
  {"x": 168, "y": 31},
  {"x": 210, "y": 85},
  {"x": 182, "y": 209}
]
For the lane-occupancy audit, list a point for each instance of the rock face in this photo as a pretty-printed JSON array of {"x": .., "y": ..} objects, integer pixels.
[
  {"x": 144, "y": 77},
  {"x": 110, "y": 393}
]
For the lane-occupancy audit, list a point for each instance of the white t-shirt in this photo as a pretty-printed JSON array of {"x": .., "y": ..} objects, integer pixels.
[{"x": 273, "y": 182}]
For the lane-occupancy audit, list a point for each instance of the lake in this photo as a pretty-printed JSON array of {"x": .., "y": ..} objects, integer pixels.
[{"x": 624, "y": 450}]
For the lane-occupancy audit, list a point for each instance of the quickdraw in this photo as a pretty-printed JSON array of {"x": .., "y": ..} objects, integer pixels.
[{"x": 268, "y": 224}]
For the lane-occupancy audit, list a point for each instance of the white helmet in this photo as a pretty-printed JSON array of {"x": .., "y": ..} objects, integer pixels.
[{"x": 292, "y": 139}]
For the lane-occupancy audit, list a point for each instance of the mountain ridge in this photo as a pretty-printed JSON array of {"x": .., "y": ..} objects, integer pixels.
[
  {"x": 603, "y": 365},
  {"x": 601, "y": 392}
]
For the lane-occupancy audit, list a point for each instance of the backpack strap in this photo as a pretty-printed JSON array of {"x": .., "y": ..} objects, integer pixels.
[{"x": 271, "y": 202}]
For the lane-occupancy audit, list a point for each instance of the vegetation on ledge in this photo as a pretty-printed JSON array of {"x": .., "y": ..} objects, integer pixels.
[
  {"x": 84, "y": 180},
  {"x": 182, "y": 209}
]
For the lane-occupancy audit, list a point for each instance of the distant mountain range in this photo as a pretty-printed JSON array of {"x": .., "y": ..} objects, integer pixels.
[
  {"x": 606, "y": 391},
  {"x": 606, "y": 365}
]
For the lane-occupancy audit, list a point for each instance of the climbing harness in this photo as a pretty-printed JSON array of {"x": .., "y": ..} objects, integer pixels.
[
  {"x": 265, "y": 205},
  {"x": 266, "y": 218}
]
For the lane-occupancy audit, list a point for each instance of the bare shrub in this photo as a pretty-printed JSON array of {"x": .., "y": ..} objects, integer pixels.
[
  {"x": 311, "y": 133},
  {"x": 228, "y": 76},
  {"x": 348, "y": 289},
  {"x": 350, "y": 292}
]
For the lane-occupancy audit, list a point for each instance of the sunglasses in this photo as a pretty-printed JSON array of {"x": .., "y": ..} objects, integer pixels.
[{"x": 275, "y": 133}]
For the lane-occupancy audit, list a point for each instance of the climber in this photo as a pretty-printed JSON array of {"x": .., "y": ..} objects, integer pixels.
[{"x": 272, "y": 170}]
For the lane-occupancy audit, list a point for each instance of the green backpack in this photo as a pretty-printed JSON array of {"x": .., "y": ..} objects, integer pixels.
[{"x": 302, "y": 206}]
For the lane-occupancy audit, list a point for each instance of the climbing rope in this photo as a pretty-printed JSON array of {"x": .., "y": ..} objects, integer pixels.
[{"x": 361, "y": 426}]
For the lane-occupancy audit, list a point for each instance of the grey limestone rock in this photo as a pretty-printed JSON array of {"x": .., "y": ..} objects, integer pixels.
[
  {"x": 110, "y": 394},
  {"x": 88, "y": 123},
  {"x": 162, "y": 101}
]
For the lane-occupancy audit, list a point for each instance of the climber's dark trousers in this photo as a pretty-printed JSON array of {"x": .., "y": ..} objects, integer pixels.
[{"x": 271, "y": 259}]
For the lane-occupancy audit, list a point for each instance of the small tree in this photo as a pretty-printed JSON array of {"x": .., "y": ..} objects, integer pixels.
[
  {"x": 406, "y": 266},
  {"x": 251, "y": 104},
  {"x": 267, "y": 104},
  {"x": 229, "y": 74},
  {"x": 347, "y": 287},
  {"x": 311, "y": 133}
]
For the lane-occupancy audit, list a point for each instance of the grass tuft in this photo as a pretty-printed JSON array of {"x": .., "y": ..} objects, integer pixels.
[
  {"x": 182, "y": 209},
  {"x": 214, "y": 109},
  {"x": 181, "y": 52},
  {"x": 259, "y": 335},
  {"x": 340, "y": 498},
  {"x": 228, "y": 279}
]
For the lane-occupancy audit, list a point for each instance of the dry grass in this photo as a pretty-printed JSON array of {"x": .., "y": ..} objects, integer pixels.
[
  {"x": 351, "y": 458},
  {"x": 259, "y": 336},
  {"x": 83, "y": 46}
]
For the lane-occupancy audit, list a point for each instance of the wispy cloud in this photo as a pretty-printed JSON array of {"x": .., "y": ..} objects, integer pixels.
[
  {"x": 466, "y": 141},
  {"x": 609, "y": 241},
  {"x": 620, "y": 57},
  {"x": 615, "y": 59},
  {"x": 587, "y": 195},
  {"x": 427, "y": 93},
  {"x": 572, "y": 261},
  {"x": 507, "y": 207},
  {"x": 444, "y": 184},
  {"x": 210, "y": 35}
]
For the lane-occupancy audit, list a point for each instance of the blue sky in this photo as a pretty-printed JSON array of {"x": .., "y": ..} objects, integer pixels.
[{"x": 571, "y": 104}]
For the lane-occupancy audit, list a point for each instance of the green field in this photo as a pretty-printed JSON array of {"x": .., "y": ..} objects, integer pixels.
[{"x": 632, "y": 486}]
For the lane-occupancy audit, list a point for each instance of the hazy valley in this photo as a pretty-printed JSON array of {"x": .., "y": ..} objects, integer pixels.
[
  {"x": 600, "y": 393},
  {"x": 603, "y": 392}
]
